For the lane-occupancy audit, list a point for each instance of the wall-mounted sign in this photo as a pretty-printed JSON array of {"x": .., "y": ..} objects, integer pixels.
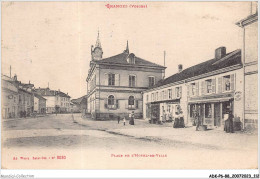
[
  {"x": 237, "y": 95},
  {"x": 10, "y": 97}
]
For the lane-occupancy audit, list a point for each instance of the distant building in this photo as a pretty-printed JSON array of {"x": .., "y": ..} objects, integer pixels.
[
  {"x": 211, "y": 88},
  {"x": 56, "y": 101},
  {"x": 17, "y": 98},
  {"x": 249, "y": 26},
  {"x": 115, "y": 84},
  {"x": 10, "y": 101},
  {"x": 39, "y": 104},
  {"x": 80, "y": 105}
]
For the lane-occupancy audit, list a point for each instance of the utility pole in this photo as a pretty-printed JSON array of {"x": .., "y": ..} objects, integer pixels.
[
  {"x": 164, "y": 56},
  {"x": 10, "y": 71}
]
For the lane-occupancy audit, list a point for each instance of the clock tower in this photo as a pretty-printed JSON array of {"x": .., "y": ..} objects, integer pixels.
[{"x": 97, "y": 52}]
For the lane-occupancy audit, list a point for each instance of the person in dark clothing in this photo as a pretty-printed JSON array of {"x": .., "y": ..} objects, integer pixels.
[
  {"x": 197, "y": 118},
  {"x": 176, "y": 120},
  {"x": 229, "y": 123},
  {"x": 118, "y": 119},
  {"x": 132, "y": 116}
]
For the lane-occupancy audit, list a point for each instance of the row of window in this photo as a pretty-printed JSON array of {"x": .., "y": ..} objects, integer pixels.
[
  {"x": 62, "y": 98},
  {"x": 112, "y": 103},
  {"x": 113, "y": 80},
  {"x": 65, "y": 104},
  {"x": 225, "y": 84},
  {"x": 167, "y": 94}
]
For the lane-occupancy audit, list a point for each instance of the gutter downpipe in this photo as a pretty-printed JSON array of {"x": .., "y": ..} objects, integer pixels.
[{"x": 244, "y": 85}]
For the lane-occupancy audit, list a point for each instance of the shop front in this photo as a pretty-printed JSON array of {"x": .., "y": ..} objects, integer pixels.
[
  {"x": 210, "y": 110},
  {"x": 162, "y": 111}
]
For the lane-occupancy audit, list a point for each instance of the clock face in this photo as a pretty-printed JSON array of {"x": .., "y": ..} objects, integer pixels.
[
  {"x": 97, "y": 50},
  {"x": 97, "y": 53}
]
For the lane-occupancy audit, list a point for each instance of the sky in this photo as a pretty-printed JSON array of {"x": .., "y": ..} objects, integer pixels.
[{"x": 50, "y": 42}]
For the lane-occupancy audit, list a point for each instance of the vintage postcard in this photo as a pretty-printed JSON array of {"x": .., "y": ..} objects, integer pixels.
[{"x": 129, "y": 85}]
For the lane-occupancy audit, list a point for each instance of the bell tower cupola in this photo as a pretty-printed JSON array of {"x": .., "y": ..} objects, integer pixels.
[{"x": 97, "y": 52}]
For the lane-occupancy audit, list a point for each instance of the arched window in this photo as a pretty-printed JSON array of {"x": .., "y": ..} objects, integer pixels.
[
  {"x": 111, "y": 100},
  {"x": 131, "y": 100}
]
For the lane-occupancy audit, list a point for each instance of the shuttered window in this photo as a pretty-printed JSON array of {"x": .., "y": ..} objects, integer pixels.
[
  {"x": 132, "y": 80},
  {"x": 169, "y": 93},
  {"x": 202, "y": 87},
  {"x": 193, "y": 89},
  {"x": 151, "y": 81},
  {"x": 209, "y": 86},
  {"x": 213, "y": 85},
  {"x": 228, "y": 82},
  {"x": 117, "y": 79},
  {"x": 111, "y": 79},
  {"x": 220, "y": 85},
  {"x": 197, "y": 89},
  {"x": 111, "y": 100}
]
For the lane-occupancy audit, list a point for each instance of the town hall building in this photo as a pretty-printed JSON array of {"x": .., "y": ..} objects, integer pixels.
[{"x": 115, "y": 84}]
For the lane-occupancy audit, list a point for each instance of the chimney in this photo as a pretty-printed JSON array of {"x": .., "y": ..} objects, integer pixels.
[
  {"x": 180, "y": 68},
  {"x": 220, "y": 52},
  {"x": 15, "y": 77}
]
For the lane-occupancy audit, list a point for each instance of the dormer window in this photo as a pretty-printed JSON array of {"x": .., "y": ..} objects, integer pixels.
[{"x": 131, "y": 59}]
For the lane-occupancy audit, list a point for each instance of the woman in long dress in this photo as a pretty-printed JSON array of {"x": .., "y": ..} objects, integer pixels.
[{"x": 229, "y": 123}]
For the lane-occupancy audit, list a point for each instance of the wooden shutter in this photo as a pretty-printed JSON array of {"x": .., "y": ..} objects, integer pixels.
[
  {"x": 220, "y": 85},
  {"x": 197, "y": 88},
  {"x": 173, "y": 93},
  {"x": 202, "y": 86},
  {"x": 135, "y": 81},
  {"x": 180, "y": 90},
  {"x": 188, "y": 90},
  {"x": 117, "y": 80},
  {"x": 105, "y": 103},
  {"x": 136, "y": 104},
  {"x": 106, "y": 79},
  {"x": 117, "y": 104},
  {"x": 213, "y": 85},
  {"x": 232, "y": 82}
]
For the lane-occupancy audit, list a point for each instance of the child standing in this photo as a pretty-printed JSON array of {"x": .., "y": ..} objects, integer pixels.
[{"x": 124, "y": 121}]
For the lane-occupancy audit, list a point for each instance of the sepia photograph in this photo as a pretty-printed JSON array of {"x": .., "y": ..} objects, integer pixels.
[{"x": 129, "y": 85}]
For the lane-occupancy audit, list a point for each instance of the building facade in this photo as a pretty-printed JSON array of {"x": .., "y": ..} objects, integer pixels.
[
  {"x": 79, "y": 105},
  {"x": 39, "y": 104},
  {"x": 56, "y": 101},
  {"x": 211, "y": 87},
  {"x": 249, "y": 27},
  {"x": 10, "y": 100},
  {"x": 114, "y": 84},
  {"x": 18, "y": 98}
]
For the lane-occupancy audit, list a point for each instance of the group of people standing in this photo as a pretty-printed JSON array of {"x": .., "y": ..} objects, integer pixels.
[
  {"x": 131, "y": 119},
  {"x": 23, "y": 114},
  {"x": 228, "y": 121}
]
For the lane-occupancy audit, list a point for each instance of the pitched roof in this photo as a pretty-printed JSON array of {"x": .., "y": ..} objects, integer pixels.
[
  {"x": 248, "y": 20},
  {"x": 230, "y": 59},
  {"x": 78, "y": 100},
  {"x": 48, "y": 92},
  {"x": 39, "y": 96},
  {"x": 122, "y": 59}
]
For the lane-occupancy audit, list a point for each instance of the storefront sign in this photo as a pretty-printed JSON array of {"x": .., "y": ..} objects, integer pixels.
[{"x": 238, "y": 95}]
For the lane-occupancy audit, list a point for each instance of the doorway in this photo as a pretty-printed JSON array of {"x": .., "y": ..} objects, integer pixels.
[{"x": 217, "y": 114}]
